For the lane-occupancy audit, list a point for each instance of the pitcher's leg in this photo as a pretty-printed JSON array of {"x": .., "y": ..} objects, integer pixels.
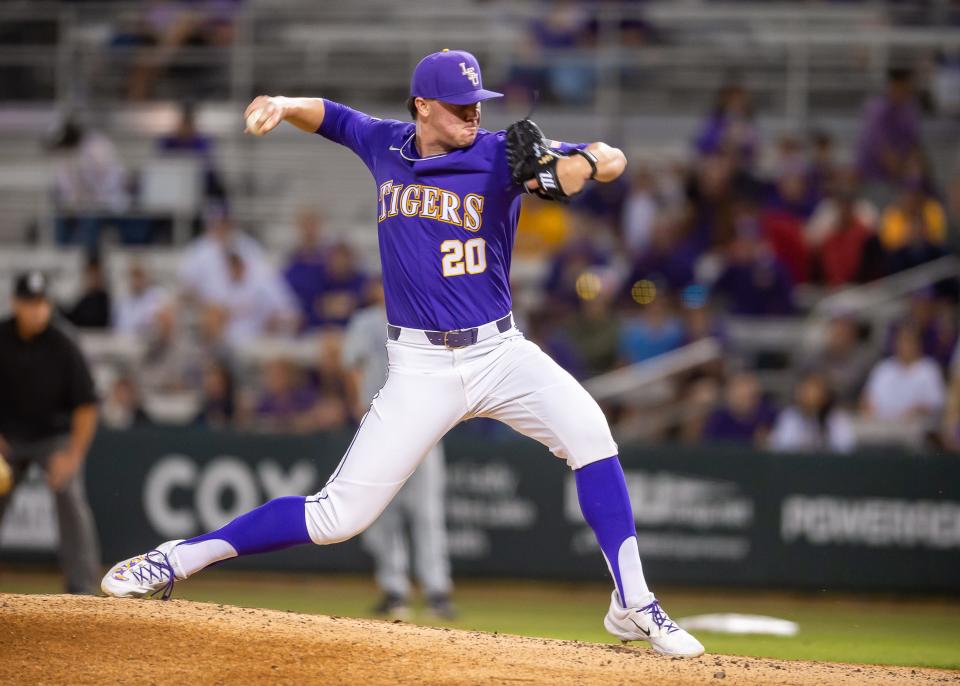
[
  {"x": 540, "y": 399},
  {"x": 405, "y": 420},
  {"x": 605, "y": 503},
  {"x": 277, "y": 524},
  {"x": 408, "y": 415}
]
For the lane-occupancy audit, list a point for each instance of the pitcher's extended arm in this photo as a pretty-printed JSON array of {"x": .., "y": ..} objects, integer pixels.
[{"x": 304, "y": 113}]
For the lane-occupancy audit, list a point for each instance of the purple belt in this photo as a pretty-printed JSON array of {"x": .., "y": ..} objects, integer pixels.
[{"x": 459, "y": 338}]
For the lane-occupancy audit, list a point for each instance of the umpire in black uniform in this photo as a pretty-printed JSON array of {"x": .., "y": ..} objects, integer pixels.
[{"x": 48, "y": 415}]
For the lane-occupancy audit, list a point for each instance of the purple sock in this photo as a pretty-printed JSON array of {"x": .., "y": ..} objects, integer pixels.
[
  {"x": 277, "y": 524},
  {"x": 605, "y": 503}
]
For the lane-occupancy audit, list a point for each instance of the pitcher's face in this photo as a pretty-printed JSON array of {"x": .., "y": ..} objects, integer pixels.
[{"x": 455, "y": 126}]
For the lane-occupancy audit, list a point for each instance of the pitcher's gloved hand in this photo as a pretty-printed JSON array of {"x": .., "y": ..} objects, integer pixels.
[{"x": 531, "y": 158}]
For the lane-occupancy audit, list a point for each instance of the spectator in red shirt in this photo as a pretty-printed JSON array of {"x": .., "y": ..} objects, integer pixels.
[
  {"x": 838, "y": 260},
  {"x": 785, "y": 211},
  {"x": 840, "y": 235}
]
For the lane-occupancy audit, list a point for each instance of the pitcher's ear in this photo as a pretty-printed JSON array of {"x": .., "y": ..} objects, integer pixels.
[{"x": 422, "y": 106}]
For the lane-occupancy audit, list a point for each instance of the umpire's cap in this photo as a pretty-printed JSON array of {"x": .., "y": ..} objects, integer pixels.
[
  {"x": 31, "y": 285},
  {"x": 451, "y": 76}
]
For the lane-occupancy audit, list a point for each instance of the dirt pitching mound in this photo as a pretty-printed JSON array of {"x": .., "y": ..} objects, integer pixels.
[{"x": 83, "y": 640}]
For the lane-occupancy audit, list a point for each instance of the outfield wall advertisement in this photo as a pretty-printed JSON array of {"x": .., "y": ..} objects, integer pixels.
[{"x": 716, "y": 517}]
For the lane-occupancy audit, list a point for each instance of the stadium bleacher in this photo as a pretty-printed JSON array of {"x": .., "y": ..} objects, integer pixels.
[{"x": 651, "y": 71}]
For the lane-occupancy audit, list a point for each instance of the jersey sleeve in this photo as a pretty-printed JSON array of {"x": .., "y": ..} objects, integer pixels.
[
  {"x": 358, "y": 131},
  {"x": 566, "y": 148}
]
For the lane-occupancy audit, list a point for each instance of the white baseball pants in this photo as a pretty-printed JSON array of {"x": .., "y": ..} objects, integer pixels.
[{"x": 429, "y": 390}]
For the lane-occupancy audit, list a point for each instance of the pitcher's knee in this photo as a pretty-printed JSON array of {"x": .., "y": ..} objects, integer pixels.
[
  {"x": 589, "y": 441},
  {"x": 331, "y": 520}
]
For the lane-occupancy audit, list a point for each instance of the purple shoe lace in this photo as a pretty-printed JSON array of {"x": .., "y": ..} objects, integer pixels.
[
  {"x": 155, "y": 567},
  {"x": 659, "y": 617}
]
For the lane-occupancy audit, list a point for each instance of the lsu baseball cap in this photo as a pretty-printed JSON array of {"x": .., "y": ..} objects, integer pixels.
[
  {"x": 30, "y": 285},
  {"x": 451, "y": 76}
]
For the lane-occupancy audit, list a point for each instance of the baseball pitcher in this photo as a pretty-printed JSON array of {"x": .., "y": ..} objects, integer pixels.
[{"x": 448, "y": 197}]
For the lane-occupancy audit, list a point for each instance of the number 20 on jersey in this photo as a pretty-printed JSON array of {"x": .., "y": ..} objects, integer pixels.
[{"x": 464, "y": 257}]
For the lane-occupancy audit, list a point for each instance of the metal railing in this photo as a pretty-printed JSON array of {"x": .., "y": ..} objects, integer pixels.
[
  {"x": 875, "y": 303},
  {"x": 651, "y": 384},
  {"x": 862, "y": 300},
  {"x": 629, "y": 381}
]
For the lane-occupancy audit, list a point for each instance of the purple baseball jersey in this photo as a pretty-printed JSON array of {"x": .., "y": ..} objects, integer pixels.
[{"x": 446, "y": 222}]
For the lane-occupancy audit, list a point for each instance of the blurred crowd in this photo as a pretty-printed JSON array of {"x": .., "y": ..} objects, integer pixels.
[
  {"x": 742, "y": 230},
  {"x": 226, "y": 298},
  {"x": 749, "y": 231},
  {"x": 564, "y": 53},
  {"x": 160, "y": 37}
]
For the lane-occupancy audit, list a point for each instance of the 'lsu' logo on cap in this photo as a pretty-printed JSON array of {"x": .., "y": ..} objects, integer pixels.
[{"x": 470, "y": 73}]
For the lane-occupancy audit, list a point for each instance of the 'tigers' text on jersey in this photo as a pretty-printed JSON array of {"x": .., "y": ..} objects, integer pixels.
[{"x": 431, "y": 202}]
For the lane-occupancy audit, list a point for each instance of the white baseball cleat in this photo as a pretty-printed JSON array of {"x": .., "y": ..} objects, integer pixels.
[
  {"x": 650, "y": 623},
  {"x": 143, "y": 575}
]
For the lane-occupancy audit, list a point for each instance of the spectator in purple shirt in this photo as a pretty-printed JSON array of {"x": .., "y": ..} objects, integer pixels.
[
  {"x": 563, "y": 28},
  {"x": 604, "y": 202},
  {"x": 328, "y": 282},
  {"x": 527, "y": 74},
  {"x": 563, "y": 25},
  {"x": 712, "y": 191},
  {"x": 345, "y": 287},
  {"x": 187, "y": 140},
  {"x": 890, "y": 131},
  {"x": 730, "y": 127},
  {"x": 306, "y": 271},
  {"x": 667, "y": 260},
  {"x": 583, "y": 252},
  {"x": 286, "y": 402},
  {"x": 744, "y": 417},
  {"x": 754, "y": 282}
]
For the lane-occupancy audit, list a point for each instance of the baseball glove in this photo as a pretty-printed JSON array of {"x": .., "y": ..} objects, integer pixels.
[{"x": 530, "y": 157}]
